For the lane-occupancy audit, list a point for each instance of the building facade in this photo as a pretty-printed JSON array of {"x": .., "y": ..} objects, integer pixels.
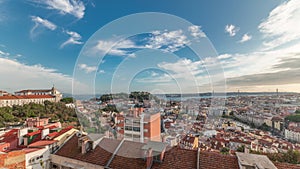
[
  {"x": 29, "y": 96},
  {"x": 292, "y": 133},
  {"x": 143, "y": 127}
]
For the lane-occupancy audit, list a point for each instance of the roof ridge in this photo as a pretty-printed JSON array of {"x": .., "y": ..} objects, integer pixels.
[{"x": 114, "y": 154}]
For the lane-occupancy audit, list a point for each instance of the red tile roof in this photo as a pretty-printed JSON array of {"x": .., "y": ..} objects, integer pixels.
[
  {"x": 9, "y": 136},
  {"x": 175, "y": 158},
  {"x": 52, "y": 135},
  {"x": 42, "y": 143},
  {"x": 33, "y": 133},
  {"x": 29, "y": 150},
  {"x": 14, "y": 97},
  {"x": 286, "y": 166},
  {"x": 38, "y": 91},
  {"x": 129, "y": 156},
  {"x": 63, "y": 131},
  {"x": 98, "y": 156}
]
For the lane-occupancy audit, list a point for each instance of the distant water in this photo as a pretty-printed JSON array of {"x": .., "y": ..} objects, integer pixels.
[{"x": 178, "y": 97}]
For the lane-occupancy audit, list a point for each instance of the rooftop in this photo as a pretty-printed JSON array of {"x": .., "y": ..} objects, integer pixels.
[
  {"x": 261, "y": 161},
  {"x": 42, "y": 143},
  {"x": 14, "y": 97}
]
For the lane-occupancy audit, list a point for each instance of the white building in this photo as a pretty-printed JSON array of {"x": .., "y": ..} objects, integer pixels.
[
  {"x": 292, "y": 134},
  {"x": 30, "y": 96},
  {"x": 37, "y": 158}
]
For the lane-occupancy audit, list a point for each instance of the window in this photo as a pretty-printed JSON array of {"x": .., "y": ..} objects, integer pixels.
[
  {"x": 132, "y": 128},
  {"x": 157, "y": 158},
  {"x": 54, "y": 166}
]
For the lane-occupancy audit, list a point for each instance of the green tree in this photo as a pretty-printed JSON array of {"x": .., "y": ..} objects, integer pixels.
[
  {"x": 67, "y": 100},
  {"x": 293, "y": 118},
  {"x": 110, "y": 108},
  {"x": 291, "y": 157},
  {"x": 106, "y": 97},
  {"x": 225, "y": 150},
  {"x": 241, "y": 148},
  {"x": 8, "y": 117}
]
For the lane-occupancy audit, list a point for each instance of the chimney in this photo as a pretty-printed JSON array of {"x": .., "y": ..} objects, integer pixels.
[
  {"x": 87, "y": 146},
  {"x": 149, "y": 158},
  {"x": 45, "y": 132},
  {"x": 21, "y": 134},
  {"x": 246, "y": 150},
  {"x": 84, "y": 144}
]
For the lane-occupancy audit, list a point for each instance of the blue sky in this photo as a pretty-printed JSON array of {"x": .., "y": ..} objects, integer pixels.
[{"x": 256, "y": 44}]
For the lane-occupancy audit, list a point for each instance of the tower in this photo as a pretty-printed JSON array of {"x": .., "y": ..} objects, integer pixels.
[{"x": 56, "y": 93}]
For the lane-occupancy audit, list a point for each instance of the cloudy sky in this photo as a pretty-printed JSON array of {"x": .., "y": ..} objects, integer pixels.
[{"x": 83, "y": 46}]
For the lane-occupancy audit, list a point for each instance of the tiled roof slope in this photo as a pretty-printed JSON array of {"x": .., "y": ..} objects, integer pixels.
[
  {"x": 175, "y": 158},
  {"x": 13, "y": 97},
  {"x": 98, "y": 156},
  {"x": 129, "y": 156},
  {"x": 213, "y": 160},
  {"x": 180, "y": 158},
  {"x": 286, "y": 166}
]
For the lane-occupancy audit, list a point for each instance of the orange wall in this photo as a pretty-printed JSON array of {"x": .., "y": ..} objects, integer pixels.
[{"x": 12, "y": 160}]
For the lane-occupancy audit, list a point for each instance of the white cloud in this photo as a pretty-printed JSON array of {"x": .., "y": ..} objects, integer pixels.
[
  {"x": 41, "y": 23},
  {"x": 3, "y": 54},
  {"x": 231, "y": 29},
  {"x": 183, "y": 68},
  {"x": 196, "y": 31},
  {"x": 72, "y": 7},
  {"x": 101, "y": 71},
  {"x": 87, "y": 69},
  {"x": 245, "y": 38},
  {"x": 115, "y": 47},
  {"x": 15, "y": 76},
  {"x": 282, "y": 25},
  {"x": 257, "y": 62},
  {"x": 74, "y": 39},
  {"x": 153, "y": 74},
  {"x": 164, "y": 78},
  {"x": 224, "y": 56},
  {"x": 168, "y": 41}
]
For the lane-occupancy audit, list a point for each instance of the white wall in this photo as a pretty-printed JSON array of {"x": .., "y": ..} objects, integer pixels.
[{"x": 33, "y": 160}]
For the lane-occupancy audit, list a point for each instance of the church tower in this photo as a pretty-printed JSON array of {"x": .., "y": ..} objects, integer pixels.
[{"x": 56, "y": 93}]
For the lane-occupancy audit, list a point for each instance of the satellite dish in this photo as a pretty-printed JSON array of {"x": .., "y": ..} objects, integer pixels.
[
  {"x": 78, "y": 134},
  {"x": 88, "y": 146}
]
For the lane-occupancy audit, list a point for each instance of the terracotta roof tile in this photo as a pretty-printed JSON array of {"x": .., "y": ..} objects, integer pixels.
[
  {"x": 63, "y": 131},
  {"x": 286, "y": 166},
  {"x": 14, "y": 97},
  {"x": 181, "y": 158},
  {"x": 42, "y": 143},
  {"x": 98, "y": 156},
  {"x": 129, "y": 156}
]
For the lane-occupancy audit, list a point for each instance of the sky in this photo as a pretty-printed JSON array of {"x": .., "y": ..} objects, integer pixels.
[{"x": 170, "y": 46}]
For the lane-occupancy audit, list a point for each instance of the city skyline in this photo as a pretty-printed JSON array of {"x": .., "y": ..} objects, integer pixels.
[{"x": 257, "y": 44}]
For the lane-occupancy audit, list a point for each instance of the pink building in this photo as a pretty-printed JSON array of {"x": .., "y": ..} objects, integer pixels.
[{"x": 37, "y": 122}]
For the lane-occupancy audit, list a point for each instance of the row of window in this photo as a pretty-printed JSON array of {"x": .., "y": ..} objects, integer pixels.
[
  {"x": 35, "y": 158},
  {"x": 19, "y": 102},
  {"x": 137, "y": 129}
]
